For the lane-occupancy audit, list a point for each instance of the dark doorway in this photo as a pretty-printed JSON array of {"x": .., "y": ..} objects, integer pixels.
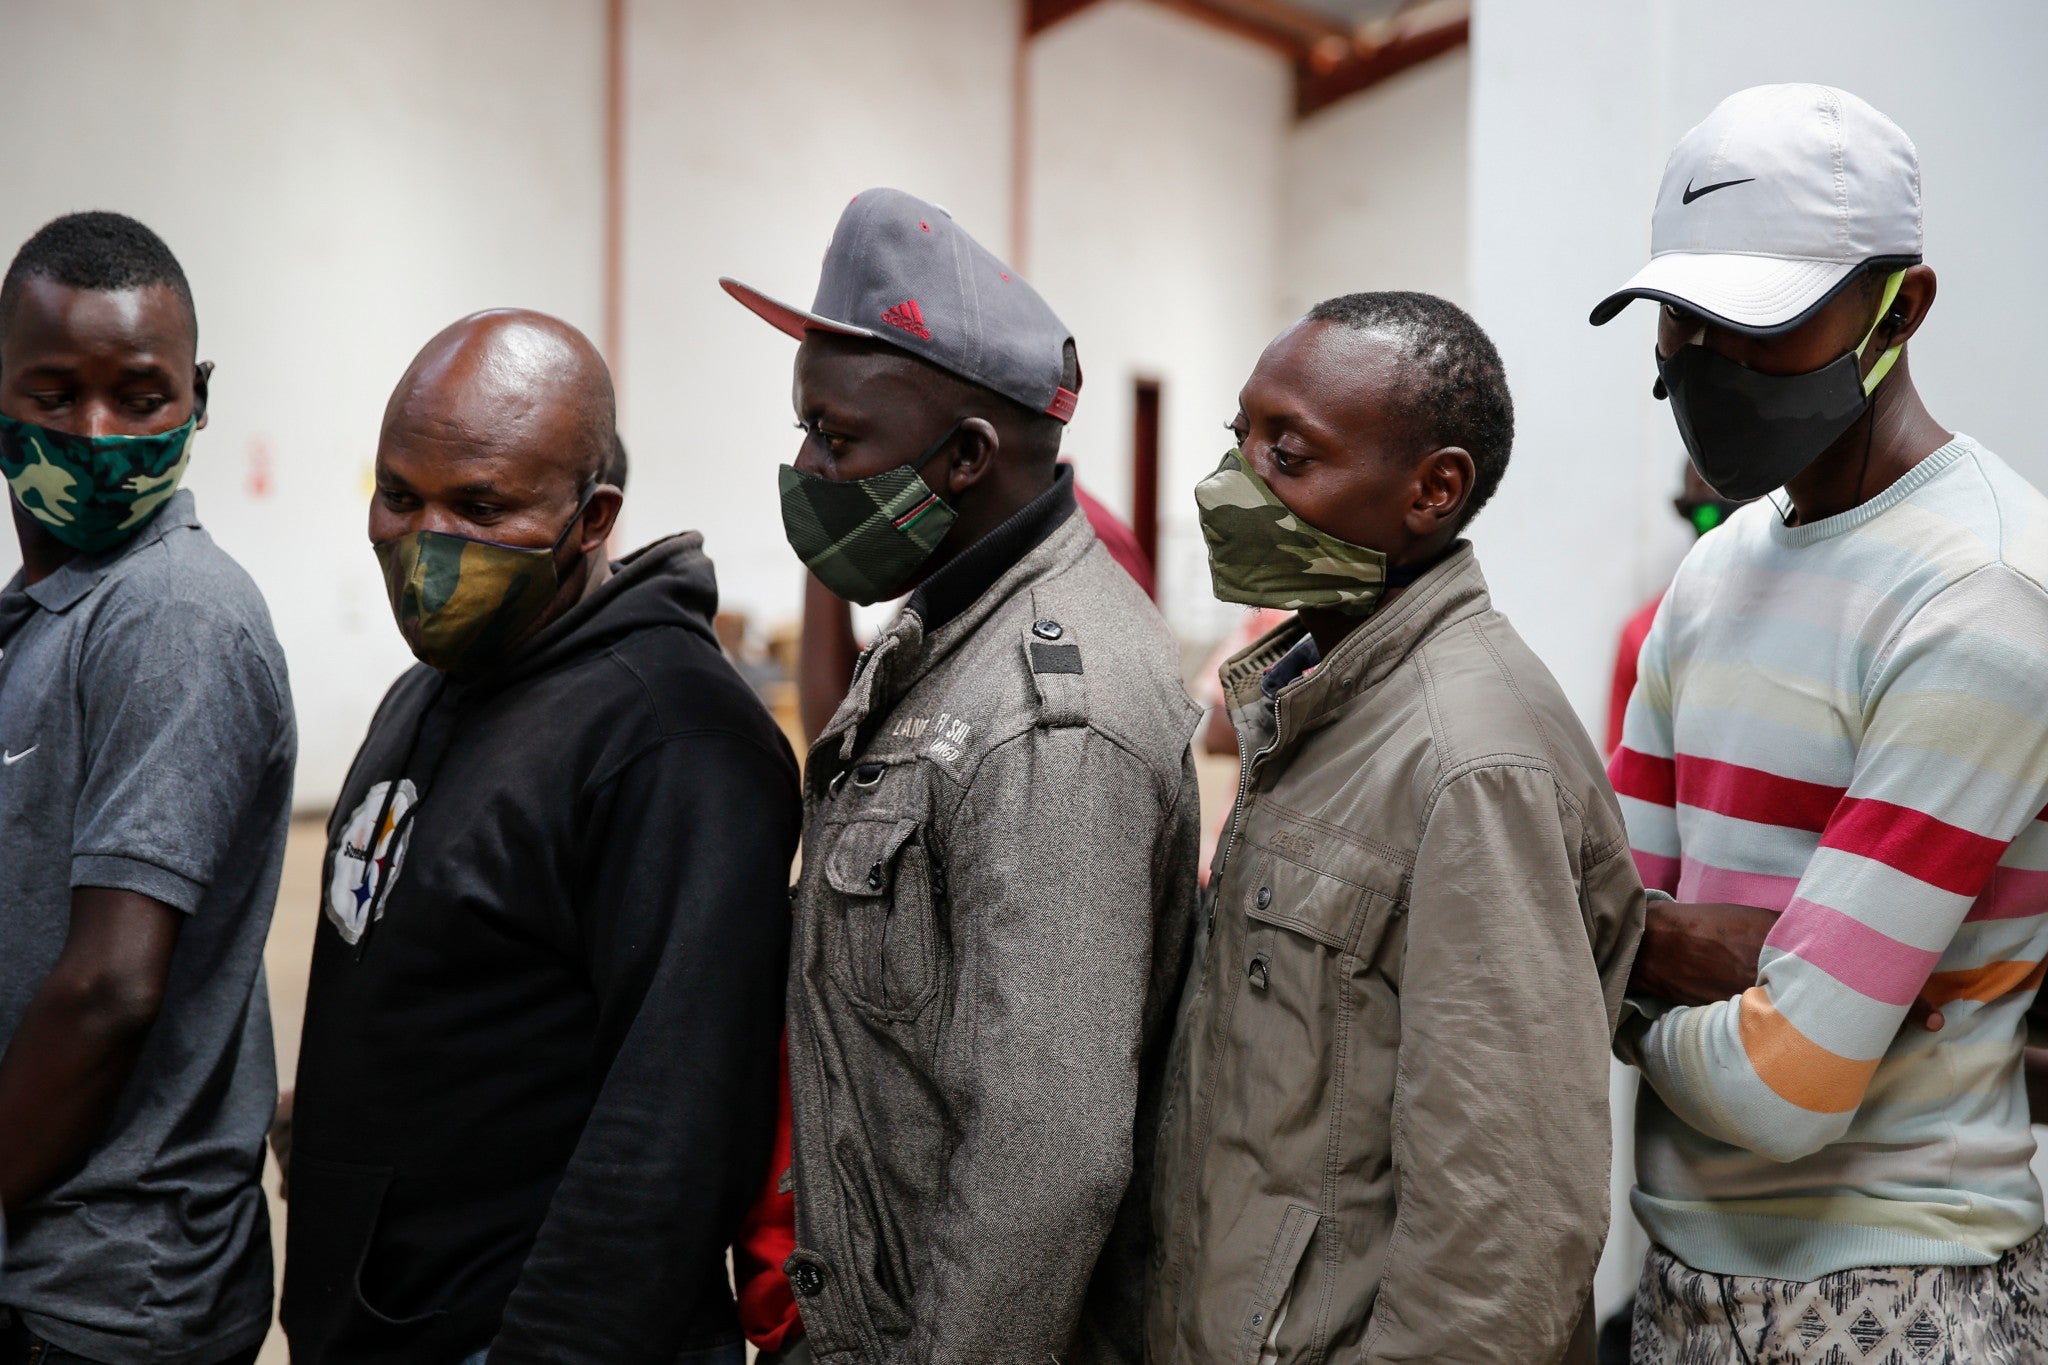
[{"x": 1145, "y": 471}]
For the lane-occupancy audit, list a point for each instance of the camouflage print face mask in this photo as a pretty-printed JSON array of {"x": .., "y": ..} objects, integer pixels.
[
  {"x": 1263, "y": 555},
  {"x": 465, "y": 604},
  {"x": 92, "y": 492}
]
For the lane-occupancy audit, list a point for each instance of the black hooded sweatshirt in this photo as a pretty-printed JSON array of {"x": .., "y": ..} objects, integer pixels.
[{"x": 537, "y": 1095}]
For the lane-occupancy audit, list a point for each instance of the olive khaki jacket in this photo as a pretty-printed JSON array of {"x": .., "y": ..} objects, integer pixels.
[{"x": 1386, "y": 1126}]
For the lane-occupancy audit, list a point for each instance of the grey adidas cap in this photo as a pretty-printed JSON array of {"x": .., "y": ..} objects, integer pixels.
[
  {"x": 901, "y": 271},
  {"x": 1773, "y": 203}
]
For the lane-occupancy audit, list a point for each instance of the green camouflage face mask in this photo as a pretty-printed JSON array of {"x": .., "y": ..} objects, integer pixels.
[
  {"x": 464, "y": 604},
  {"x": 1263, "y": 555},
  {"x": 92, "y": 492},
  {"x": 866, "y": 538}
]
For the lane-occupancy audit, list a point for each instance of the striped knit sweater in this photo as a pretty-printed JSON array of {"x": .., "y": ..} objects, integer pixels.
[{"x": 1847, "y": 723}]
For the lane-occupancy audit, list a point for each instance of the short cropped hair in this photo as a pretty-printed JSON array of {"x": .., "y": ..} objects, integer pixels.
[
  {"x": 1457, "y": 389},
  {"x": 98, "y": 251},
  {"x": 618, "y": 464}
]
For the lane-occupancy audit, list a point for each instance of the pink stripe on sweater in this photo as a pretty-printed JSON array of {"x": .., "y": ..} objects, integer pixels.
[
  {"x": 1864, "y": 959},
  {"x": 2013, "y": 893},
  {"x": 1658, "y": 872},
  {"x": 1703, "y": 882}
]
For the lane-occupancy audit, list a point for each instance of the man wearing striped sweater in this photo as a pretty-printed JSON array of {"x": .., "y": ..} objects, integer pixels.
[{"x": 1836, "y": 760}]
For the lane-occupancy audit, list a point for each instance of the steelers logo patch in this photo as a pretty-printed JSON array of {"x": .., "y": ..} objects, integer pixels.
[{"x": 367, "y": 859}]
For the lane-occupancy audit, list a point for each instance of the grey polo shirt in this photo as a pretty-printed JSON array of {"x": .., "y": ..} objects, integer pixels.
[{"x": 146, "y": 744}]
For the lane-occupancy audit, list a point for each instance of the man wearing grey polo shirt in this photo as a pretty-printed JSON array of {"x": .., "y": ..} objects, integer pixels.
[{"x": 146, "y": 747}]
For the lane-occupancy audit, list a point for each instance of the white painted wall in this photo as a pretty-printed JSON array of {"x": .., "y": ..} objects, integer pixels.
[
  {"x": 1375, "y": 191},
  {"x": 1571, "y": 122},
  {"x": 749, "y": 128},
  {"x": 1157, "y": 173},
  {"x": 339, "y": 182}
]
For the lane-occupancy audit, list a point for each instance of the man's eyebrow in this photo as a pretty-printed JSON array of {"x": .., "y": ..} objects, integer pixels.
[
  {"x": 473, "y": 490},
  {"x": 147, "y": 370}
]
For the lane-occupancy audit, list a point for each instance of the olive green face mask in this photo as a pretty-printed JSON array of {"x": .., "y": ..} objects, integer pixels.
[
  {"x": 462, "y": 604},
  {"x": 1263, "y": 555}
]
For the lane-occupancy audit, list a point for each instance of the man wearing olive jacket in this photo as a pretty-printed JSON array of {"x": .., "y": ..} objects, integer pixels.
[{"x": 1387, "y": 1131}]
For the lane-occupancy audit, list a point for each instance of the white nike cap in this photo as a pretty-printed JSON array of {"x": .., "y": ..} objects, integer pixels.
[{"x": 1773, "y": 203}]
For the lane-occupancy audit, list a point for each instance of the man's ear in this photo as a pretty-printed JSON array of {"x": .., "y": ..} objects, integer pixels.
[
  {"x": 599, "y": 516},
  {"x": 202, "y": 375},
  {"x": 1443, "y": 483},
  {"x": 1908, "y": 310},
  {"x": 973, "y": 454}
]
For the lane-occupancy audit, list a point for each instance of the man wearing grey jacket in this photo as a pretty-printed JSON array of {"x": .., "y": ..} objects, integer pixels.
[{"x": 1000, "y": 828}]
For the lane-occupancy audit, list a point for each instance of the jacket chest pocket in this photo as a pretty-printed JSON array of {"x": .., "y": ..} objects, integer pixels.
[
  {"x": 1305, "y": 971},
  {"x": 889, "y": 942}
]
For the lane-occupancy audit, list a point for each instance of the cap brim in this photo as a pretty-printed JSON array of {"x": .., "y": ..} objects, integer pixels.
[
  {"x": 1759, "y": 294},
  {"x": 795, "y": 321}
]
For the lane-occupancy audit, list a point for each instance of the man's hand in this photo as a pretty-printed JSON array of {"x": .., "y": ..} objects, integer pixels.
[
  {"x": 77, "y": 1042},
  {"x": 1698, "y": 954}
]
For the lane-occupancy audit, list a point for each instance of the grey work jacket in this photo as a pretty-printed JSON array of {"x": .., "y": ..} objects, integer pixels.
[
  {"x": 1387, "y": 1130},
  {"x": 992, "y": 925}
]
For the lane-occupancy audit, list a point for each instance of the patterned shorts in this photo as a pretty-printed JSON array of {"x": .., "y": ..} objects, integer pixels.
[{"x": 1887, "y": 1315}]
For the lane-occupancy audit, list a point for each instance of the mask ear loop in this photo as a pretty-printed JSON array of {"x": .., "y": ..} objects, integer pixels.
[
  {"x": 1870, "y": 382},
  {"x": 1877, "y": 373}
]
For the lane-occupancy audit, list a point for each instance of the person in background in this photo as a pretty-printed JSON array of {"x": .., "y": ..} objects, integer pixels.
[
  {"x": 147, "y": 737},
  {"x": 561, "y": 856},
  {"x": 1837, "y": 758},
  {"x": 1000, "y": 824},
  {"x": 827, "y": 647},
  {"x": 1387, "y": 1120},
  {"x": 1702, "y": 509}
]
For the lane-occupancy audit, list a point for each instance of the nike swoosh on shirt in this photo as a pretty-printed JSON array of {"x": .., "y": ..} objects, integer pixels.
[
  {"x": 11, "y": 759},
  {"x": 1692, "y": 194}
]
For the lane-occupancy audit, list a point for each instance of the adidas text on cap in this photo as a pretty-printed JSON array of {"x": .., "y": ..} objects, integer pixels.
[
  {"x": 899, "y": 270},
  {"x": 1773, "y": 203}
]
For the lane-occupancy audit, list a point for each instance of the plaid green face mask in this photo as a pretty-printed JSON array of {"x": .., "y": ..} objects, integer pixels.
[
  {"x": 92, "y": 492},
  {"x": 1263, "y": 555},
  {"x": 866, "y": 538}
]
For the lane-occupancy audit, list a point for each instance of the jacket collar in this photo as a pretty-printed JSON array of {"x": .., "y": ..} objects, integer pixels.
[
  {"x": 955, "y": 588},
  {"x": 80, "y": 574},
  {"x": 1453, "y": 590},
  {"x": 1042, "y": 539}
]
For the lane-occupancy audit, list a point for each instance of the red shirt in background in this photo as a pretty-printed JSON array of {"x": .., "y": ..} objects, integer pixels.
[
  {"x": 1625, "y": 655},
  {"x": 1118, "y": 540}
]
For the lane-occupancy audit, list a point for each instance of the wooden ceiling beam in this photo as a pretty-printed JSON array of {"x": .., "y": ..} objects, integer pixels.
[
  {"x": 1040, "y": 15},
  {"x": 1330, "y": 61},
  {"x": 1317, "y": 85}
]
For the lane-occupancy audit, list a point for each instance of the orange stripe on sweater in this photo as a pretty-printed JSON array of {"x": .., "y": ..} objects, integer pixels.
[
  {"x": 1984, "y": 983},
  {"x": 1799, "y": 1070}
]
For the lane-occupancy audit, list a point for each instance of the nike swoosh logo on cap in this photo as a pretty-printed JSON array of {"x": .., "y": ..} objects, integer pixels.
[
  {"x": 11, "y": 759},
  {"x": 1692, "y": 194}
]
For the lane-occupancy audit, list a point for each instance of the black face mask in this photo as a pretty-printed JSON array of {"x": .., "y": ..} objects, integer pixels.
[{"x": 1749, "y": 433}]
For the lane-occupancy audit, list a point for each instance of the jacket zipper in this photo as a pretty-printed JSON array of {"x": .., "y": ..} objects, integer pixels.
[{"x": 1244, "y": 777}]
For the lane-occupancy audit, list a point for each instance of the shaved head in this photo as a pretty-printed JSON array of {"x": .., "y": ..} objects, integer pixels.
[
  {"x": 500, "y": 431},
  {"x": 511, "y": 382}
]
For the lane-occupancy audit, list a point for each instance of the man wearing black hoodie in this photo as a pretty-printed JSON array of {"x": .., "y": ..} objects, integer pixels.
[{"x": 537, "y": 1082}]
